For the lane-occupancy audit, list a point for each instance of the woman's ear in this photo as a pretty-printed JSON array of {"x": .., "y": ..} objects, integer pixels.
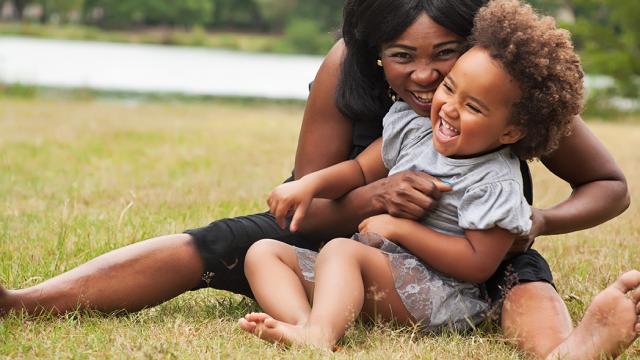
[{"x": 512, "y": 134}]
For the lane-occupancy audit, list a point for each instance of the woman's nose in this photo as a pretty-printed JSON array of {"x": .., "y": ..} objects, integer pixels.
[{"x": 425, "y": 76}]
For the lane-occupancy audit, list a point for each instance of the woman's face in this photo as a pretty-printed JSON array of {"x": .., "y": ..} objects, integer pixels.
[{"x": 417, "y": 61}]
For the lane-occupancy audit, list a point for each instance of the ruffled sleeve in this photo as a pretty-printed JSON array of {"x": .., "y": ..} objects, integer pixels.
[
  {"x": 495, "y": 204},
  {"x": 399, "y": 126}
]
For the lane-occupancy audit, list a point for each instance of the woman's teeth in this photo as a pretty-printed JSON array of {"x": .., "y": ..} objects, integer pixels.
[{"x": 423, "y": 96}]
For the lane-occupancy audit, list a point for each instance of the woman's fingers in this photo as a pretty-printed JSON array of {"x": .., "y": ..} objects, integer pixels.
[{"x": 406, "y": 209}]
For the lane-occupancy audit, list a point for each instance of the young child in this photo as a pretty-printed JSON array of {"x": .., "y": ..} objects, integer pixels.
[{"x": 510, "y": 97}]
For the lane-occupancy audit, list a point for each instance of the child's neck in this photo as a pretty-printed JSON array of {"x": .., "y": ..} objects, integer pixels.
[{"x": 500, "y": 147}]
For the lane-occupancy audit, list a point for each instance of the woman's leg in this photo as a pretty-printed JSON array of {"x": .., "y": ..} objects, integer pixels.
[
  {"x": 609, "y": 326},
  {"x": 136, "y": 276},
  {"x": 350, "y": 278},
  {"x": 277, "y": 282},
  {"x": 533, "y": 316},
  {"x": 150, "y": 272}
]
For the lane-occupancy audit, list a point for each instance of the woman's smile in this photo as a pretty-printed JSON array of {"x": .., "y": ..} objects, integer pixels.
[{"x": 421, "y": 100}]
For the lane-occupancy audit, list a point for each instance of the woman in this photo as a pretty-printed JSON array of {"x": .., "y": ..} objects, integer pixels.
[{"x": 347, "y": 102}]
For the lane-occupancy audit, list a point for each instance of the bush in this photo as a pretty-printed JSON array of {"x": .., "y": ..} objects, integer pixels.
[
  {"x": 305, "y": 36},
  {"x": 18, "y": 90}
]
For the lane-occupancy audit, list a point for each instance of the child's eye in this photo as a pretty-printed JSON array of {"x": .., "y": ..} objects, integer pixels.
[
  {"x": 447, "y": 87},
  {"x": 474, "y": 108}
]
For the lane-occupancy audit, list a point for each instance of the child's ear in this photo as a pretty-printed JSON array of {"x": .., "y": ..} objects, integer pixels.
[{"x": 512, "y": 134}]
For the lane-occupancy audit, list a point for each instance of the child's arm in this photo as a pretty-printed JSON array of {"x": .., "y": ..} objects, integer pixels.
[
  {"x": 330, "y": 183},
  {"x": 473, "y": 258}
]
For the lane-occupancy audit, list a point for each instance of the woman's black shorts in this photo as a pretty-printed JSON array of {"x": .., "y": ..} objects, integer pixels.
[{"x": 224, "y": 243}]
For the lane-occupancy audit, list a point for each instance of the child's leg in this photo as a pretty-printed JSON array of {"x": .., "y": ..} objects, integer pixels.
[
  {"x": 276, "y": 280},
  {"x": 350, "y": 278}
]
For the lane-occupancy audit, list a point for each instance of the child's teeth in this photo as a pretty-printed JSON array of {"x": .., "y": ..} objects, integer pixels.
[{"x": 448, "y": 126}]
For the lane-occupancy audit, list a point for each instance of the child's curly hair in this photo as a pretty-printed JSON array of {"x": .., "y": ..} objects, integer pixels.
[{"x": 541, "y": 58}]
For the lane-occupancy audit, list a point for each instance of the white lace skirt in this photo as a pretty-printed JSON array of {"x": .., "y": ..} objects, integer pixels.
[{"x": 436, "y": 301}]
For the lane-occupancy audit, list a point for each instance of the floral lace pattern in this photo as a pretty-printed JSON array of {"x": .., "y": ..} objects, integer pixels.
[{"x": 433, "y": 299}]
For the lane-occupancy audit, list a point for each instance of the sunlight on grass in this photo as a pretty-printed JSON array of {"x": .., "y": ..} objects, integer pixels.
[{"x": 82, "y": 178}]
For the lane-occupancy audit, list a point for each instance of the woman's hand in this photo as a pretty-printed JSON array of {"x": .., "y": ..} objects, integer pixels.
[
  {"x": 408, "y": 194},
  {"x": 522, "y": 243},
  {"x": 383, "y": 225},
  {"x": 292, "y": 197}
]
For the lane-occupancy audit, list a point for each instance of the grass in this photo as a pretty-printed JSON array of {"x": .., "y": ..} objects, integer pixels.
[{"x": 79, "y": 178}]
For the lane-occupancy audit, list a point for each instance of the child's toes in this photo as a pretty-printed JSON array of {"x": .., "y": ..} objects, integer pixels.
[
  {"x": 271, "y": 322},
  {"x": 257, "y": 317},
  {"x": 246, "y": 325}
]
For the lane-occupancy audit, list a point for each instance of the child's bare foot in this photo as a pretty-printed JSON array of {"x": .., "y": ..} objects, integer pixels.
[
  {"x": 269, "y": 329},
  {"x": 609, "y": 326}
]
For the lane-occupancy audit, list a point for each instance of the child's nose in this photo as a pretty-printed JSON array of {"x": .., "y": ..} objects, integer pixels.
[{"x": 450, "y": 110}]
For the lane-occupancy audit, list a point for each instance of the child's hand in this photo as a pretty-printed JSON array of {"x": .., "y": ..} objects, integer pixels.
[
  {"x": 383, "y": 225},
  {"x": 292, "y": 197}
]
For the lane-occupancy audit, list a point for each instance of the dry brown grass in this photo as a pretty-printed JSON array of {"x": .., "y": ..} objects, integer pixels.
[{"x": 80, "y": 178}]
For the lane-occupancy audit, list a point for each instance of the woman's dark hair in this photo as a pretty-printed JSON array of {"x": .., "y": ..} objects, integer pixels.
[{"x": 367, "y": 24}]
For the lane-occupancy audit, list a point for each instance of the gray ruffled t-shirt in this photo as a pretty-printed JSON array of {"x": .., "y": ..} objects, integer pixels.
[{"x": 487, "y": 190}]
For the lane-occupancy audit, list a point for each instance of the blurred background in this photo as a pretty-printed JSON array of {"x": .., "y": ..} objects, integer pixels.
[{"x": 218, "y": 46}]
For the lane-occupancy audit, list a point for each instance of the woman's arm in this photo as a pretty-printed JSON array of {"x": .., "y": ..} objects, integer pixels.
[
  {"x": 473, "y": 258},
  {"x": 325, "y": 140},
  {"x": 325, "y": 135},
  {"x": 599, "y": 187}
]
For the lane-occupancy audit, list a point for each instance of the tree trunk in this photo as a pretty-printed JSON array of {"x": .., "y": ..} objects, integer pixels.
[{"x": 18, "y": 8}]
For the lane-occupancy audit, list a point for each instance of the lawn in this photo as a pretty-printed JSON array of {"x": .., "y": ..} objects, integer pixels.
[{"x": 79, "y": 178}]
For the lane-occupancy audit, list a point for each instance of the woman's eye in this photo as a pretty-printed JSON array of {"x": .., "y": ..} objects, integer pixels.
[
  {"x": 401, "y": 55},
  {"x": 447, "y": 53}
]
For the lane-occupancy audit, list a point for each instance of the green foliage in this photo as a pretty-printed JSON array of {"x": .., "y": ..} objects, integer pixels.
[
  {"x": 304, "y": 35},
  {"x": 18, "y": 91},
  {"x": 240, "y": 14},
  {"x": 276, "y": 12},
  {"x": 608, "y": 35},
  {"x": 118, "y": 14}
]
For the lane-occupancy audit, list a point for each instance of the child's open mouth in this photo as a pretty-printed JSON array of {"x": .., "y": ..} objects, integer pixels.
[{"x": 445, "y": 130}]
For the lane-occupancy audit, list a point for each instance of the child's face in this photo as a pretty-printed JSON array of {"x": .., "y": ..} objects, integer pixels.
[{"x": 472, "y": 107}]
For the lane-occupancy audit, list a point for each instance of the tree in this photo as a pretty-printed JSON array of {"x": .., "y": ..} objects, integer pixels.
[
  {"x": 18, "y": 8},
  {"x": 607, "y": 33}
]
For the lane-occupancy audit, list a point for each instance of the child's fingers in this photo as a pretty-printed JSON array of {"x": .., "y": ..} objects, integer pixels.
[
  {"x": 282, "y": 208},
  {"x": 301, "y": 210}
]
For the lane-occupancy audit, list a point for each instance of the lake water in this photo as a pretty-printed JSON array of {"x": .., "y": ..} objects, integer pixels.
[
  {"x": 152, "y": 68},
  {"x": 165, "y": 69}
]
